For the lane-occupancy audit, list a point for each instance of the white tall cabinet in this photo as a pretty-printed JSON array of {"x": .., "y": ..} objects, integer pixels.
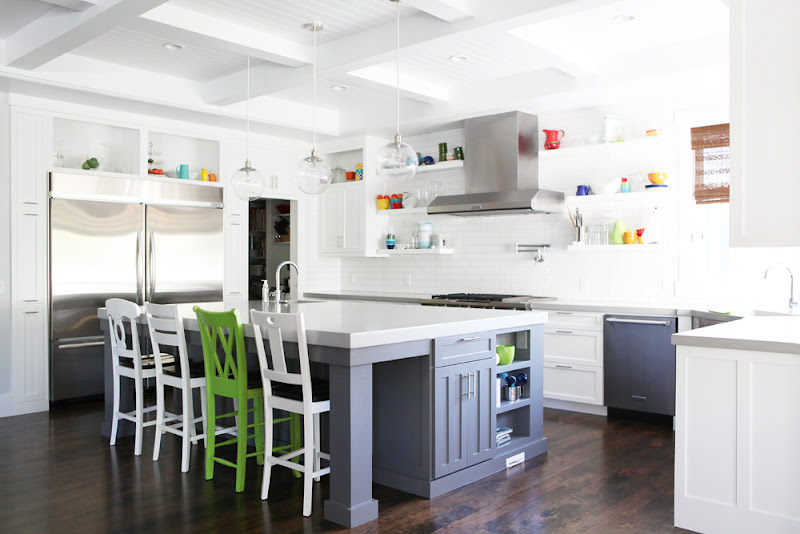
[
  {"x": 29, "y": 369},
  {"x": 765, "y": 82}
]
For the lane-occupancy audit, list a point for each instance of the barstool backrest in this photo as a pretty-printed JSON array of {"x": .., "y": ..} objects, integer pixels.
[
  {"x": 166, "y": 329},
  {"x": 281, "y": 327},
  {"x": 122, "y": 312},
  {"x": 223, "y": 330}
]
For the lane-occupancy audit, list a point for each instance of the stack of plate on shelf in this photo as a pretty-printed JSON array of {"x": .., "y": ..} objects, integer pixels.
[{"x": 503, "y": 435}]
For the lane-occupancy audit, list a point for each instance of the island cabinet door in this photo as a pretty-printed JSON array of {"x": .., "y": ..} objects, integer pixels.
[
  {"x": 464, "y": 416},
  {"x": 450, "y": 412}
]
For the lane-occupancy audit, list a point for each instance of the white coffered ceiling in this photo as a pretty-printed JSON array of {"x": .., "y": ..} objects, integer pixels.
[{"x": 520, "y": 53}]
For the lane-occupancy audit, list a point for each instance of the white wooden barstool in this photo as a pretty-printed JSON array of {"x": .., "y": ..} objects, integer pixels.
[
  {"x": 127, "y": 361},
  {"x": 166, "y": 329},
  {"x": 291, "y": 392}
]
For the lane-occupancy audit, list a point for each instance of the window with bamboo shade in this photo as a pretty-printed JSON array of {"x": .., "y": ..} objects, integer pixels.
[{"x": 712, "y": 163}]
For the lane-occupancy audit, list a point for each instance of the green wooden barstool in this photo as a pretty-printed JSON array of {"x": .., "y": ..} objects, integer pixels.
[{"x": 228, "y": 377}]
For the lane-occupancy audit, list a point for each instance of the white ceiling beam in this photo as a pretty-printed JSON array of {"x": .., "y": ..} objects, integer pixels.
[
  {"x": 75, "y": 5},
  {"x": 59, "y": 31},
  {"x": 192, "y": 26},
  {"x": 348, "y": 54},
  {"x": 447, "y": 10}
]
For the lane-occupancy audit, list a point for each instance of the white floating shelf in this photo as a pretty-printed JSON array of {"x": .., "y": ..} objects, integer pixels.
[
  {"x": 441, "y": 166},
  {"x": 145, "y": 176},
  {"x": 586, "y": 150},
  {"x": 403, "y": 211},
  {"x": 657, "y": 193},
  {"x": 615, "y": 248},
  {"x": 418, "y": 251}
]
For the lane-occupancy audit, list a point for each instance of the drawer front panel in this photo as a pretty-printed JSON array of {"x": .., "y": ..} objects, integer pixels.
[
  {"x": 461, "y": 349},
  {"x": 573, "y": 346},
  {"x": 580, "y": 320},
  {"x": 576, "y": 383}
]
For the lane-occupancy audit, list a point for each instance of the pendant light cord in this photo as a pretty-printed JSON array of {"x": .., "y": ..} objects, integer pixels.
[
  {"x": 397, "y": 17},
  {"x": 247, "y": 116},
  {"x": 314, "y": 109}
]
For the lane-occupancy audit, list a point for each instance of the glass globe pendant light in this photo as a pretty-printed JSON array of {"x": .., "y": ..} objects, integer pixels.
[
  {"x": 247, "y": 183},
  {"x": 313, "y": 173},
  {"x": 397, "y": 161}
]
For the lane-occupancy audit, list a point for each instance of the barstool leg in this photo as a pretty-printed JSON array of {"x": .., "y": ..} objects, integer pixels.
[
  {"x": 186, "y": 427},
  {"x": 204, "y": 410},
  {"x": 316, "y": 445},
  {"x": 137, "y": 449},
  {"x": 268, "y": 438},
  {"x": 115, "y": 412},
  {"x": 258, "y": 417},
  {"x": 308, "y": 462},
  {"x": 241, "y": 445},
  {"x": 211, "y": 437},
  {"x": 159, "y": 418}
]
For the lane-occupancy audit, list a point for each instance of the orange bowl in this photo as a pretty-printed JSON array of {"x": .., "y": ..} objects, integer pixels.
[
  {"x": 657, "y": 178},
  {"x": 629, "y": 237}
]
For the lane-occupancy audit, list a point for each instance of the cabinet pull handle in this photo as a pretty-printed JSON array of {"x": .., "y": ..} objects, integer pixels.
[
  {"x": 473, "y": 338},
  {"x": 465, "y": 394},
  {"x": 30, "y": 203},
  {"x": 563, "y": 331},
  {"x": 31, "y": 313},
  {"x": 31, "y": 300},
  {"x": 638, "y": 397},
  {"x": 472, "y": 380},
  {"x": 563, "y": 313},
  {"x": 563, "y": 366},
  {"x": 638, "y": 321}
]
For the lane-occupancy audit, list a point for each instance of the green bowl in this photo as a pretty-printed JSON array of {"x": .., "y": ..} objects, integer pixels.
[{"x": 506, "y": 353}]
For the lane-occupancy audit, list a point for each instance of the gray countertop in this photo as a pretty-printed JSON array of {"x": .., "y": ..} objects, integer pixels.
[
  {"x": 352, "y": 325},
  {"x": 760, "y": 334}
]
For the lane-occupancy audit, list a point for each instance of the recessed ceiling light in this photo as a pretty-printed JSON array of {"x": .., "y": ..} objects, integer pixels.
[
  {"x": 458, "y": 58},
  {"x": 339, "y": 87},
  {"x": 623, "y": 19},
  {"x": 173, "y": 46}
]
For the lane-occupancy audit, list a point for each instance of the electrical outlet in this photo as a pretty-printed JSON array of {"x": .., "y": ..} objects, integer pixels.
[
  {"x": 517, "y": 459},
  {"x": 408, "y": 280}
]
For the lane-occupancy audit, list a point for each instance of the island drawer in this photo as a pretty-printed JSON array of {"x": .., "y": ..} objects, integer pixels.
[{"x": 462, "y": 349}]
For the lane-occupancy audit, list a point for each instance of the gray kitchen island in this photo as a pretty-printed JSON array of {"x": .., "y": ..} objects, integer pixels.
[{"x": 413, "y": 393}]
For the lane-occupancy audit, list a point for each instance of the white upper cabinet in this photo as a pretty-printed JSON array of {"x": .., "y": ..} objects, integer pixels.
[
  {"x": 765, "y": 84},
  {"x": 28, "y": 159},
  {"x": 341, "y": 221}
]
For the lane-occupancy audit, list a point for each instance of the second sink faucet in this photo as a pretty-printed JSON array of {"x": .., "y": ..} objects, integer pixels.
[
  {"x": 278, "y": 280},
  {"x": 792, "y": 302}
]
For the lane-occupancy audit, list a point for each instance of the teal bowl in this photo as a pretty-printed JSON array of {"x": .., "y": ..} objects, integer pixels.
[{"x": 506, "y": 353}]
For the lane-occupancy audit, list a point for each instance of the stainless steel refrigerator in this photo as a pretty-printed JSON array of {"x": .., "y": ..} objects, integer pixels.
[{"x": 133, "y": 239}]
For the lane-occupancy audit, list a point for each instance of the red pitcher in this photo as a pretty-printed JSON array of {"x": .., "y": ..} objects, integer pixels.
[{"x": 553, "y": 141}]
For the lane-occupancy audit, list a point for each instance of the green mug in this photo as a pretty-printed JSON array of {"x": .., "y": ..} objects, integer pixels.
[{"x": 506, "y": 353}]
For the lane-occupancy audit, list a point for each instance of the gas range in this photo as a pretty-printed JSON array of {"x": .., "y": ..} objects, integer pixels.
[{"x": 484, "y": 300}]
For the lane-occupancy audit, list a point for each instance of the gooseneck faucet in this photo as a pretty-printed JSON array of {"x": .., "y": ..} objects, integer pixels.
[
  {"x": 278, "y": 280},
  {"x": 792, "y": 302}
]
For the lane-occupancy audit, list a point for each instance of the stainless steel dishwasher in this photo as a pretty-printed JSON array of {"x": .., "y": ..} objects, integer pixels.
[{"x": 639, "y": 363}]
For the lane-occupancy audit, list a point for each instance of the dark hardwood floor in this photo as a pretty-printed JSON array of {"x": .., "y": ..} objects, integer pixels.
[{"x": 57, "y": 474}]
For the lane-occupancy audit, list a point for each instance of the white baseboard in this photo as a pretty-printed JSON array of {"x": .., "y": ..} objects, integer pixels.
[
  {"x": 576, "y": 407},
  {"x": 10, "y": 408}
]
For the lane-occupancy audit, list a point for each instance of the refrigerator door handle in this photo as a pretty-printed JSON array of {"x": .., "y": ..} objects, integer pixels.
[
  {"x": 151, "y": 271},
  {"x": 139, "y": 267},
  {"x": 89, "y": 342}
]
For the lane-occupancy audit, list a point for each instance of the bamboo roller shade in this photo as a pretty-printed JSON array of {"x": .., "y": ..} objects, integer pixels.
[{"x": 711, "y": 180}]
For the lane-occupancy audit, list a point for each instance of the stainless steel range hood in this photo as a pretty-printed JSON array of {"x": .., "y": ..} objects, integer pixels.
[{"x": 501, "y": 170}]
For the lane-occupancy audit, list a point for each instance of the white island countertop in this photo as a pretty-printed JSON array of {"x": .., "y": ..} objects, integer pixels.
[
  {"x": 353, "y": 325},
  {"x": 760, "y": 334}
]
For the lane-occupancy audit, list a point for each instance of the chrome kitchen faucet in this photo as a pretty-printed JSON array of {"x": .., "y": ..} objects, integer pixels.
[
  {"x": 278, "y": 281},
  {"x": 792, "y": 302}
]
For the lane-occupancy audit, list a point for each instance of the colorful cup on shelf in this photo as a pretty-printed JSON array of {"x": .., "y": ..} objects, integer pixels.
[
  {"x": 630, "y": 238},
  {"x": 212, "y": 177},
  {"x": 350, "y": 176},
  {"x": 182, "y": 171},
  {"x": 506, "y": 353},
  {"x": 383, "y": 202},
  {"x": 204, "y": 175}
]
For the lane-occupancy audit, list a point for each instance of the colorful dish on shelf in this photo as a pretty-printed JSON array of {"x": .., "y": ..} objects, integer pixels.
[{"x": 657, "y": 178}]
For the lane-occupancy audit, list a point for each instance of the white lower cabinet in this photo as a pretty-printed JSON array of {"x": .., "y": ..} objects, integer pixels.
[
  {"x": 573, "y": 357},
  {"x": 235, "y": 277},
  {"x": 29, "y": 363},
  {"x": 574, "y": 383}
]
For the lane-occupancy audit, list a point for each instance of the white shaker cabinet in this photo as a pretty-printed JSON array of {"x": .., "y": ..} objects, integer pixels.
[
  {"x": 235, "y": 276},
  {"x": 29, "y": 350},
  {"x": 341, "y": 219},
  {"x": 765, "y": 82},
  {"x": 28, "y": 159}
]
